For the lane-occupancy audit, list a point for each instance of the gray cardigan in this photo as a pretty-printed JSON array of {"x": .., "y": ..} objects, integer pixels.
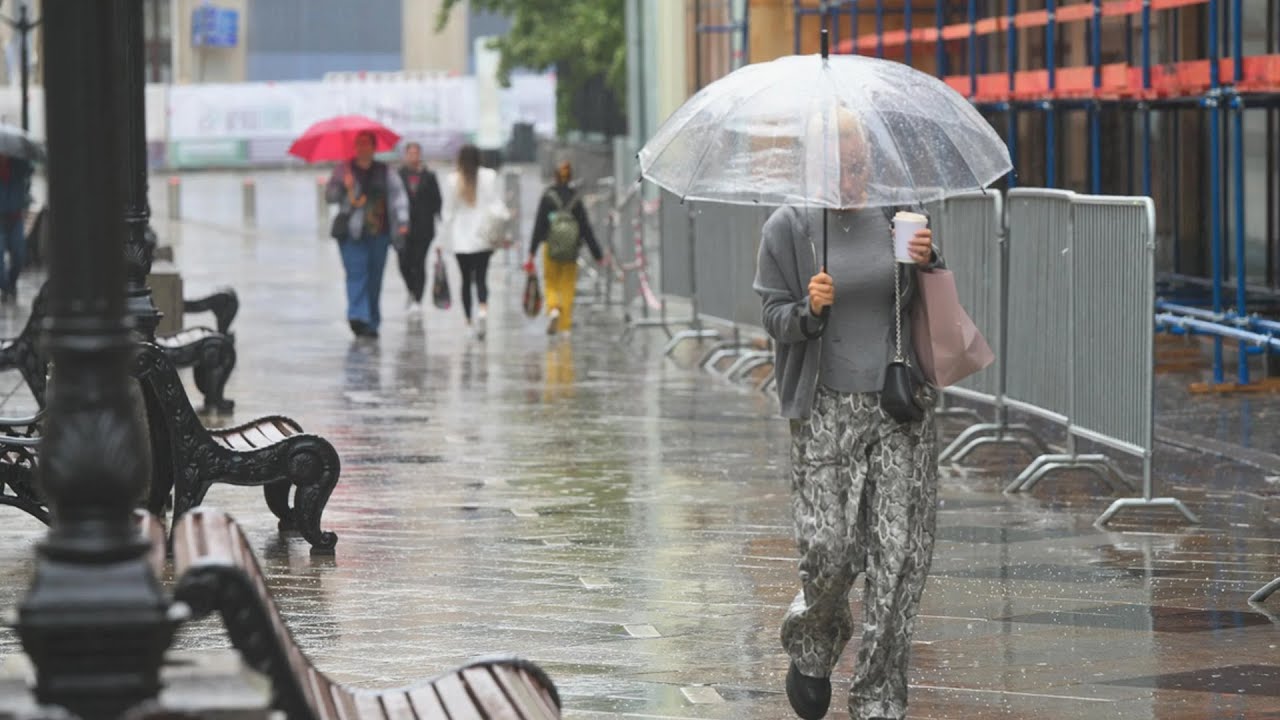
[{"x": 788, "y": 258}]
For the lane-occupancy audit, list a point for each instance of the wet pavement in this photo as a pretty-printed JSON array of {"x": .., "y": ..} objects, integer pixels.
[{"x": 622, "y": 519}]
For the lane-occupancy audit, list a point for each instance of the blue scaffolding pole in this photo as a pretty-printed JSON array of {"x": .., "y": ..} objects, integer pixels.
[
  {"x": 1238, "y": 108},
  {"x": 1215, "y": 182},
  {"x": 1095, "y": 110}
]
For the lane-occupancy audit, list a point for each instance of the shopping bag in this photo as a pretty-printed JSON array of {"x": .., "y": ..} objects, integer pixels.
[
  {"x": 440, "y": 284},
  {"x": 532, "y": 296},
  {"x": 948, "y": 345}
]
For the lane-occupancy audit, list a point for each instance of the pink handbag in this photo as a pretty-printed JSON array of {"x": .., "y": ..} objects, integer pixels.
[{"x": 948, "y": 345}]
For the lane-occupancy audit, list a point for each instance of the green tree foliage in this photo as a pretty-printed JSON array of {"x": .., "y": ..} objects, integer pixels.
[{"x": 578, "y": 39}]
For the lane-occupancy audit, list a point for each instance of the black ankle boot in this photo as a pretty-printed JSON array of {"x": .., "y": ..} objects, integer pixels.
[{"x": 810, "y": 697}]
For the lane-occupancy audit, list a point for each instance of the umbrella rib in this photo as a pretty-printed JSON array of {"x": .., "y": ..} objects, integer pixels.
[{"x": 719, "y": 119}]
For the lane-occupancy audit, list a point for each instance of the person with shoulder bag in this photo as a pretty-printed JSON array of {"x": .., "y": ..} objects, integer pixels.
[
  {"x": 864, "y": 468},
  {"x": 473, "y": 216},
  {"x": 373, "y": 212},
  {"x": 425, "y": 205},
  {"x": 562, "y": 224}
]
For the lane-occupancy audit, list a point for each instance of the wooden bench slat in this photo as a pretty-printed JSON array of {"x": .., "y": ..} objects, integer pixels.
[
  {"x": 271, "y": 431},
  {"x": 426, "y": 704},
  {"x": 518, "y": 685},
  {"x": 345, "y": 703},
  {"x": 256, "y": 437},
  {"x": 288, "y": 427},
  {"x": 396, "y": 705},
  {"x": 365, "y": 705},
  {"x": 236, "y": 441},
  {"x": 318, "y": 692},
  {"x": 489, "y": 694},
  {"x": 455, "y": 698}
]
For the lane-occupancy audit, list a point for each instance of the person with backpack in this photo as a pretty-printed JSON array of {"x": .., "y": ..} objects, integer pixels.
[{"x": 562, "y": 224}]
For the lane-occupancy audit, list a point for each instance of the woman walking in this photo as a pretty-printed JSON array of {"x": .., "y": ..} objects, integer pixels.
[
  {"x": 470, "y": 193},
  {"x": 562, "y": 224},
  {"x": 424, "y": 207},
  {"x": 378, "y": 209},
  {"x": 863, "y": 485}
]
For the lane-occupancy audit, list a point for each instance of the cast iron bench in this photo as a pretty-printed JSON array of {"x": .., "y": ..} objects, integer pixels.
[
  {"x": 211, "y": 356},
  {"x": 218, "y": 572},
  {"x": 23, "y": 354},
  {"x": 272, "y": 452},
  {"x": 223, "y": 303}
]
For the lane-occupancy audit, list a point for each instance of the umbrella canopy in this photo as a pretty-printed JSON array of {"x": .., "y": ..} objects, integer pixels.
[
  {"x": 335, "y": 139},
  {"x": 17, "y": 143},
  {"x": 841, "y": 132}
]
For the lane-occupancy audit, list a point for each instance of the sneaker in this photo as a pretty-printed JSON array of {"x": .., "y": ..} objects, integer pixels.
[
  {"x": 415, "y": 308},
  {"x": 810, "y": 697},
  {"x": 481, "y": 321},
  {"x": 553, "y": 321}
]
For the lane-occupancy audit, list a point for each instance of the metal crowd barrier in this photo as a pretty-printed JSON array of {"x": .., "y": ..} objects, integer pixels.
[
  {"x": 729, "y": 238},
  {"x": 1113, "y": 338},
  {"x": 969, "y": 229},
  {"x": 1067, "y": 300},
  {"x": 679, "y": 274}
]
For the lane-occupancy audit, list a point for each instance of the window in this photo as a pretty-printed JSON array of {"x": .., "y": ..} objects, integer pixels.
[{"x": 158, "y": 31}]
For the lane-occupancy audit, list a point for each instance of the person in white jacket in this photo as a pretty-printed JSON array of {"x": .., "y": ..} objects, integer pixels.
[{"x": 470, "y": 194}]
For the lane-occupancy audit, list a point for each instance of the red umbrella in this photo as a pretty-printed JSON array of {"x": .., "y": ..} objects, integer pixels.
[{"x": 335, "y": 139}]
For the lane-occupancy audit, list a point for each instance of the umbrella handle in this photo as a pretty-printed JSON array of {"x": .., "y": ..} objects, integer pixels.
[{"x": 826, "y": 44}]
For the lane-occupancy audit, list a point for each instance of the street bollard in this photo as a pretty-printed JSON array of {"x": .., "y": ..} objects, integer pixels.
[
  {"x": 175, "y": 198},
  {"x": 322, "y": 203},
  {"x": 250, "y": 202}
]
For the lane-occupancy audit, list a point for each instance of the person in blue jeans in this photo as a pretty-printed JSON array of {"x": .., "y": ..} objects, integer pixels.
[
  {"x": 379, "y": 207},
  {"x": 15, "y": 198}
]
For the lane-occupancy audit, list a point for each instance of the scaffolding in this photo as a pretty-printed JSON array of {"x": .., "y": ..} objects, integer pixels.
[{"x": 1172, "y": 79}]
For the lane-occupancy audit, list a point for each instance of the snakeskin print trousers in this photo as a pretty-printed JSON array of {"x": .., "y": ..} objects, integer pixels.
[{"x": 864, "y": 498}]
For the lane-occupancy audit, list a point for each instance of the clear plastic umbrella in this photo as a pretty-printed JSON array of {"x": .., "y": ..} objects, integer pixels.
[{"x": 834, "y": 132}]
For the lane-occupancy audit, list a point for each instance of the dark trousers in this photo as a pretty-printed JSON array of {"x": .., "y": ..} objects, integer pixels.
[
  {"x": 475, "y": 271},
  {"x": 413, "y": 265}
]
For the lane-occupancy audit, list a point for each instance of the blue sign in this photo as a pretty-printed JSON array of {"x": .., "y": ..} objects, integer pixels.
[{"x": 212, "y": 26}]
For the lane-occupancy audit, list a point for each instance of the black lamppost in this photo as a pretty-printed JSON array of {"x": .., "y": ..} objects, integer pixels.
[
  {"x": 95, "y": 622},
  {"x": 23, "y": 26},
  {"x": 132, "y": 123}
]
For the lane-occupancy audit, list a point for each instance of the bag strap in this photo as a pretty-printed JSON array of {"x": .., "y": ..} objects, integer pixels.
[{"x": 899, "y": 356}]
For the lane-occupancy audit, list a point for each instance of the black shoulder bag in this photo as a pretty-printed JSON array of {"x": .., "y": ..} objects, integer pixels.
[{"x": 898, "y": 398}]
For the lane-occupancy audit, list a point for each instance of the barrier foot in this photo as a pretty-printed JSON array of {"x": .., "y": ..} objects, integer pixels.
[
  {"x": 1164, "y": 502},
  {"x": 1101, "y": 465},
  {"x": 973, "y": 438},
  {"x": 999, "y": 440},
  {"x": 633, "y": 325},
  {"x": 688, "y": 335},
  {"x": 1266, "y": 591},
  {"x": 719, "y": 352},
  {"x": 747, "y": 363},
  {"x": 767, "y": 383},
  {"x": 959, "y": 412},
  {"x": 964, "y": 438}
]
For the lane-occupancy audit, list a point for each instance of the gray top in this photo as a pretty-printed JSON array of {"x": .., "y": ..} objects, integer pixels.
[
  {"x": 848, "y": 354},
  {"x": 858, "y": 341}
]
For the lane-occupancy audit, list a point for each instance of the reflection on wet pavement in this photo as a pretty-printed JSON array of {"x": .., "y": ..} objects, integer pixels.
[{"x": 622, "y": 520}]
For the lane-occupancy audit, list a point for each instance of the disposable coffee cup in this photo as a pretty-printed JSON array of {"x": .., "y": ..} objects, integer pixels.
[{"x": 905, "y": 226}]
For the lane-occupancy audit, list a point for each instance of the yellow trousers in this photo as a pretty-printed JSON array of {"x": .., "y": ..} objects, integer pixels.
[{"x": 561, "y": 281}]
